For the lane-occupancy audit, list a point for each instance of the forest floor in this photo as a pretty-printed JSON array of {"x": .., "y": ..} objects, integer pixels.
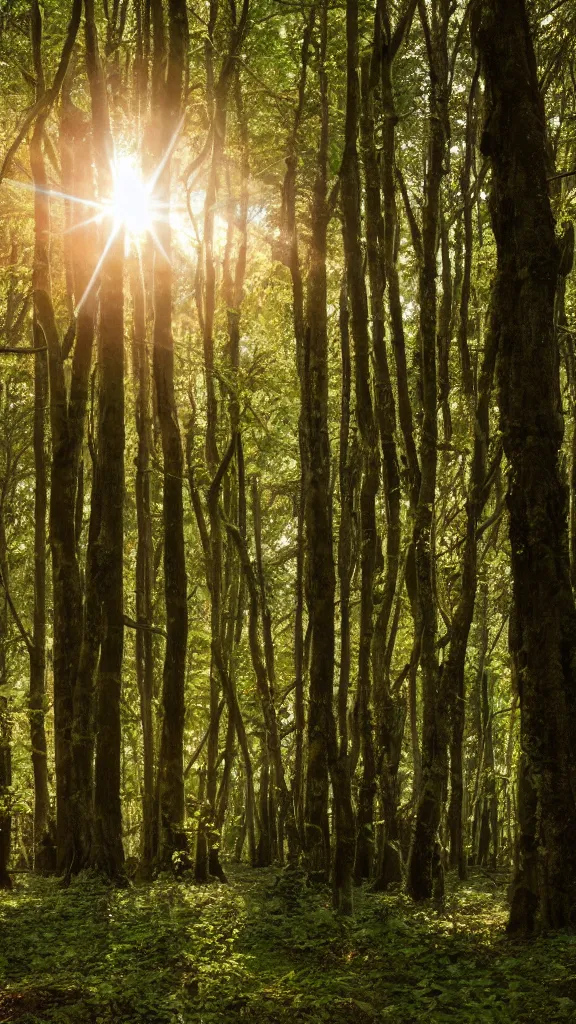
[{"x": 227, "y": 954}]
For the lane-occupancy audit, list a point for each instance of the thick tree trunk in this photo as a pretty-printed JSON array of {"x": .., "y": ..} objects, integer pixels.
[
  {"x": 532, "y": 427},
  {"x": 320, "y": 571},
  {"x": 167, "y": 103},
  {"x": 66, "y": 581},
  {"x": 289, "y": 253},
  {"x": 389, "y": 709},
  {"x": 107, "y": 854},
  {"x": 67, "y": 424}
]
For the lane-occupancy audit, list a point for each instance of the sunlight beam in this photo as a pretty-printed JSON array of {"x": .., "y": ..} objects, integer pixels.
[
  {"x": 53, "y": 194},
  {"x": 111, "y": 238},
  {"x": 132, "y": 207},
  {"x": 168, "y": 153}
]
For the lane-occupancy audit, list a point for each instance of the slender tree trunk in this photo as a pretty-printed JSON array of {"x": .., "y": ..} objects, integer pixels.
[
  {"x": 453, "y": 681},
  {"x": 391, "y": 44},
  {"x": 351, "y": 199},
  {"x": 37, "y": 700},
  {"x": 37, "y": 697},
  {"x": 5, "y": 723},
  {"x": 348, "y": 480},
  {"x": 435, "y": 719},
  {"x": 144, "y": 565},
  {"x": 299, "y": 667},
  {"x": 389, "y": 709},
  {"x": 466, "y": 181}
]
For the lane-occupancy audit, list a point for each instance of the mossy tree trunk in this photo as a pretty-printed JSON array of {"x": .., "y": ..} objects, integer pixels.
[
  {"x": 532, "y": 428},
  {"x": 368, "y": 540},
  {"x": 434, "y": 711}
]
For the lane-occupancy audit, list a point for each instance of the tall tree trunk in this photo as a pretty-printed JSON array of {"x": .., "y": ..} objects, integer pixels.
[
  {"x": 392, "y": 40},
  {"x": 5, "y": 723},
  {"x": 289, "y": 253},
  {"x": 37, "y": 700},
  {"x": 389, "y": 708},
  {"x": 144, "y": 564},
  {"x": 37, "y": 697},
  {"x": 67, "y": 586},
  {"x": 67, "y": 422},
  {"x": 346, "y": 540},
  {"x": 531, "y": 422},
  {"x": 107, "y": 853},
  {"x": 75, "y": 142},
  {"x": 218, "y": 91},
  {"x": 351, "y": 200},
  {"x": 453, "y": 679},
  {"x": 468, "y": 203},
  {"x": 66, "y": 451},
  {"x": 320, "y": 573},
  {"x": 435, "y": 718},
  {"x": 167, "y": 98}
]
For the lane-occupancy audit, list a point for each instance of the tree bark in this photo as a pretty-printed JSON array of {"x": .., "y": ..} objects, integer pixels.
[
  {"x": 144, "y": 565},
  {"x": 320, "y": 572},
  {"x": 5, "y": 723},
  {"x": 107, "y": 853},
  {"x": 354, "y": 256},
  {"x": 435, "y": 720},
  {"x": 37, "y": 698},
  {"x": 166, "y": 99},
  {"x": 531, "y": 422}
]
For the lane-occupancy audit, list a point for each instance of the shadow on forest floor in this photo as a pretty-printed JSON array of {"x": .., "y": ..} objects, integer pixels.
[{"x": 179, "y": 953}]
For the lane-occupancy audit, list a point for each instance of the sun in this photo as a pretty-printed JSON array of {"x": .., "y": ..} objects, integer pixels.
[
  {"x": 133, "y": 208},
  {"x": 132, "y": 204}
]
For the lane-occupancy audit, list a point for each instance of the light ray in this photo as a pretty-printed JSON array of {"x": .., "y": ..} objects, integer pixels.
[
  {"x": 132, "y": 207},
  {"x": 111, "y": 238},
  {"x": 156, "y": 175},
  {"x": 141, "y": 271},
  {"x": 83, "y": 223},
  {"x": 159, "y": 245},
  {"x": 53, "y": 194}
]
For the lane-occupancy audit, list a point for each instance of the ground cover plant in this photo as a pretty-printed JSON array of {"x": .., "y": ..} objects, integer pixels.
[{"x": 246, "y": 951}]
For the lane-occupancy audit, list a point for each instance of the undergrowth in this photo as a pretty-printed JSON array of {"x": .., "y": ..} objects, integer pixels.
[{"x": 255, "y": 952}]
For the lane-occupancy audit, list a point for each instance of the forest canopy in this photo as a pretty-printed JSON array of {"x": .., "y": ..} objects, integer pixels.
[{"x": 288, "y": 445}]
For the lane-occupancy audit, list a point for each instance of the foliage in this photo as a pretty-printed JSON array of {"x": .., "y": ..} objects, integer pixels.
[{"x": 221, "y": 954}]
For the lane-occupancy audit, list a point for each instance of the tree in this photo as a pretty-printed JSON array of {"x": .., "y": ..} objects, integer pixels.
[{"x": 524, "y": 292}]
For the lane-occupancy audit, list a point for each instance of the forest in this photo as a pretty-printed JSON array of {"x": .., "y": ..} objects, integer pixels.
[{"x": 287, "y": 511}]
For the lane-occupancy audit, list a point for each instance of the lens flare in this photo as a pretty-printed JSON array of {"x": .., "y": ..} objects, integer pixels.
[{"x": 131, "y": 205}]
